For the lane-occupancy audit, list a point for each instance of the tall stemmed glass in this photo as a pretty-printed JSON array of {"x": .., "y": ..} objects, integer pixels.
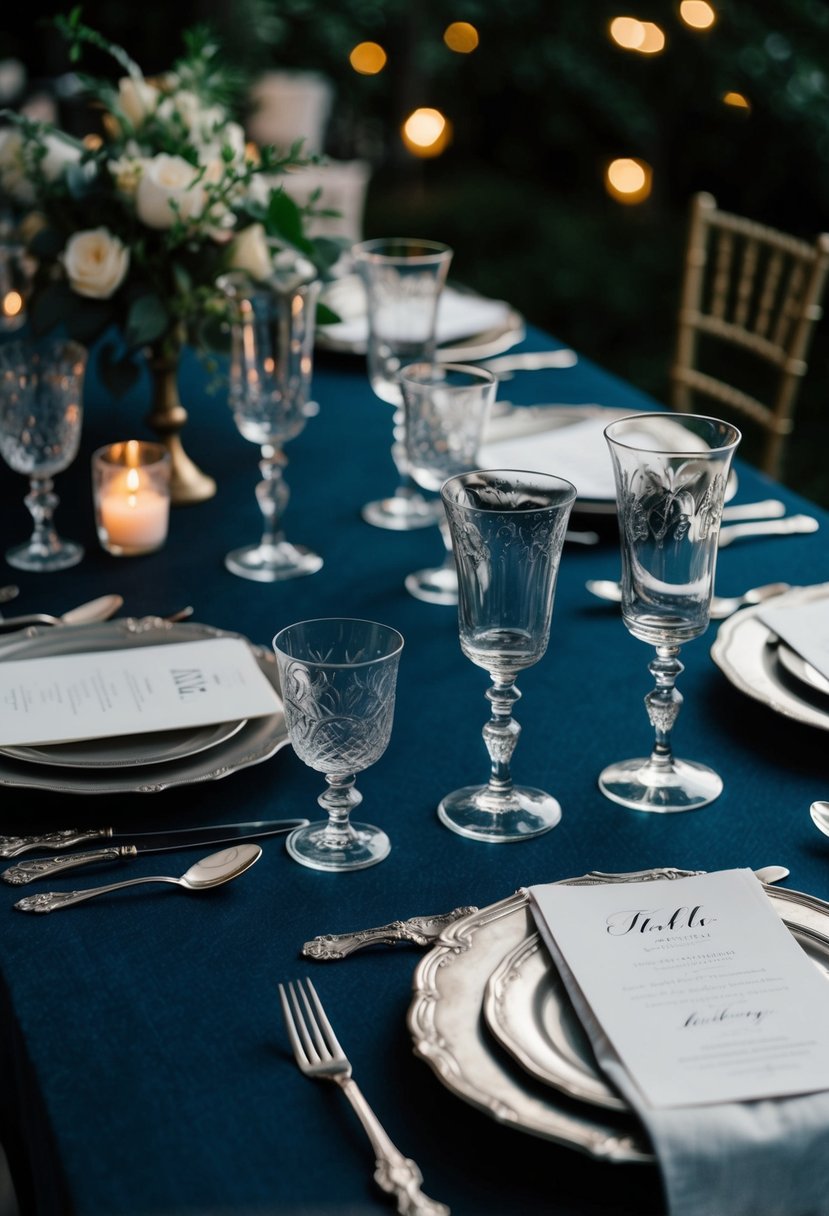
[
  {"x": 338, "y": 678},
  {"x": 271, "y": 363},
  {"x": 403, "y": 279},
  {"x": 671, "y": 473},
  {"x": 507, "y": 531},
  {"x": 445, "y": 407},
  {"x": 41, "y": 412}
]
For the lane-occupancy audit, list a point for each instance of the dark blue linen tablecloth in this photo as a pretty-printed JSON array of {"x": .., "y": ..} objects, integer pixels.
[{"x": 144, "y": 1068}]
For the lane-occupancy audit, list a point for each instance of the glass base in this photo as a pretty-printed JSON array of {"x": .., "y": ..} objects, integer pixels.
[
  {"x": 644, "y": 786},
  {"x": 271, "y": 563},
  {"x": 438, "y": 586},
  {"x": 364, "y": 846},
  {"x": 526, "y": 812},
  {"x": 41, "y": 559},
  {"x": 403, "y": 512}
]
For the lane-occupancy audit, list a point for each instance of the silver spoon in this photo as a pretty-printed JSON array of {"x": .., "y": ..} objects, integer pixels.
[
  {"x": 721, "y": 606},
  {"x": 100, "y": 609},
  {"x": 820, "y": 816},
  {"x": 211, "y": 871}
]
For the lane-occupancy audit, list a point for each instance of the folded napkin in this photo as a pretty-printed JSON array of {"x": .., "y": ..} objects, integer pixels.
[
  {"x": 803, "y": 627},
  {"x": 577, "y": 452},
  {"x": 460, "y": 315},
  {"x": 755, "y": 1158}
]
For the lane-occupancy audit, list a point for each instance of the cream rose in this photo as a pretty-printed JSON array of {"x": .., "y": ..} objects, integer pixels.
[
  {"x": 167, "y": 191},
  {"x": 59, "y": 155},
  {"x": 95, "y": 262},
  {"x": 137, "y": 99},
  {"x": 249, "y": 252}
]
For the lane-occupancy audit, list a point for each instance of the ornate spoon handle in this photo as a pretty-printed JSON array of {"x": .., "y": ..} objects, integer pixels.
[
  {"x": 45, "y": 867},
  {"x": 422, "y": 930},
  {"x": 11, "y": 846},
  {"x": 50, "y": 901}
]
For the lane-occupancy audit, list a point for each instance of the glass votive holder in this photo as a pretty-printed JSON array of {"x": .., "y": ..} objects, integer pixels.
[{"x": 131, "y": 493}]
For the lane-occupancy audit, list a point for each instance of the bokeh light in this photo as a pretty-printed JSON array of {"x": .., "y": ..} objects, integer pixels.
[
  {"x": 738, "y": 100},
  {"x": 12, "y": 304},
  {"x": 697, "y": 13},
  {"x": 642, "y": 36},
  {"x": 628, "y": 180},
  {"x": 653, "y": 41},
  {"x": 426, "y": 132},
  {"x": 462, "y": 37},
  {"x": 368, "y": 58}
]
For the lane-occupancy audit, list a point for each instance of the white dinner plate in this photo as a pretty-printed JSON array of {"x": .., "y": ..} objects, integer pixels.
[
  {"x": 449, "y": 1032},
  {"x": 128, "y": 751},
  {"x": 255, "y": 740}
]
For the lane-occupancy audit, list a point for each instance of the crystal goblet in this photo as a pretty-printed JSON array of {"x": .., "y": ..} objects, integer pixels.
[
  {"x": 507, "y": 533},
  {"x": 41, "y": 413},
  {"x": 271, "y": 363},
  {"x": 403, "y": 279},
  {"x": 671, "y": 472},
  {"x": 338, "y": 678},
  {"x": 445, "y": 407}
]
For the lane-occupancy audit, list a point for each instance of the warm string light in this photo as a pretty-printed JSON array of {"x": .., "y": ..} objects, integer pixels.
[
  {"x": 426, "y": 132},
  {"x": 628, "y": 180},
  {"x": 12, "y": 305},
  {"x": 633, "y": 35},
  {"x": 737, "y": 100},
  {"x": 461, "y": 37},
  {"x": 368, "y": 58},
  {"x": 698, "y": 14}
]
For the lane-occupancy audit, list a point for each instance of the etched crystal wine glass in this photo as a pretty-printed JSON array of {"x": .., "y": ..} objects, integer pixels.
[
  {"x": 403, "y": 278},
  {"x": 271, "y": 363},
  {"x": 445, "y": 406},
  {"x": 507, "y": 532},
  {"x": 338, "y": 678},
  {"x": 671, "y": 472},
  {"x": 41, "y": 413}
]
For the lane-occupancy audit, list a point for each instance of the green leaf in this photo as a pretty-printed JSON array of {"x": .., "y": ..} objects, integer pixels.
[
  {"x": 147, "y": 320},
  {"x": 326, "y": 315},
  {"x": 283, "y": 218}
]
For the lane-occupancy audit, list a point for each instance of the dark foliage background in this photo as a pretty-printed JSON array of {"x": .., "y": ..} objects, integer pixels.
[{"x": 538, "y": 110}]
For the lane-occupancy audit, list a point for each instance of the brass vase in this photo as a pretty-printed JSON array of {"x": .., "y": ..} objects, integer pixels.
[{"x": 167, "y": 417}]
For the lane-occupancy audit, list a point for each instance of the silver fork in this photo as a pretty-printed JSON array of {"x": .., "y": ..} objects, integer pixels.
[{"x": 318, "y": 1054}]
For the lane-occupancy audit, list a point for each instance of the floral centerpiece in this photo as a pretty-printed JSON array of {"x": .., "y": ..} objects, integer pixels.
[{"x": 130, "y": 229}]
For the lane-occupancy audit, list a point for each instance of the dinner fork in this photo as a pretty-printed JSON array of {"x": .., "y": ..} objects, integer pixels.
[{"x": 318, "y": 1054}]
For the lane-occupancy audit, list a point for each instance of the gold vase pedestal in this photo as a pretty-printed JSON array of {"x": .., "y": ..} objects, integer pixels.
[{"x": 167, "y": 417}]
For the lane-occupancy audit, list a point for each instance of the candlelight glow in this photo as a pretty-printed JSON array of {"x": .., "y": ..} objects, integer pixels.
[
  {"x": 628, "y": 181},
  {"x": 462, "y": 37},
  {"x": 368, "y": 58},
  {"x": 737, "y": 100},
  {"x": 633, "y": 35},
  {"x": 92, "y": 141},
  {"x": 697, "y": 13},
  {"x": 426, "y": 132},
  {"x": 12, "y": 304}
]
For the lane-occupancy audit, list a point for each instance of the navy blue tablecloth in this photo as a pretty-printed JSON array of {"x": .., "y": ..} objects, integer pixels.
[{"x": 144, "y": 1068}]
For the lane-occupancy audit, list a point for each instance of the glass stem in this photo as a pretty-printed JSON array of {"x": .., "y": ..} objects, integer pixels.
[
  {"x": 42, "y": 502},
  {"x": 501, "y": 732},
  {"x": 338, "y": 801},
  {"x": 449, "y": 556},
  {"x": 272, "y": 493},
  {"x": 663, "y": 702},
  {"x": 406, "y": 487}
]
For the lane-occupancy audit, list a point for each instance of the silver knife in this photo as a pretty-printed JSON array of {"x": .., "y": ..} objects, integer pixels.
[
  {"x": 787, "y": 526},
  {"x": 143, "y": 842}
]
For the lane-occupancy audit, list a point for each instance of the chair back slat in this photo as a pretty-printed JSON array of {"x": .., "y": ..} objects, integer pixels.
[
  {"x": 744, "y": 294},
  {"x": 722, "y": 275},
  {"x": 768, "y": 293}
]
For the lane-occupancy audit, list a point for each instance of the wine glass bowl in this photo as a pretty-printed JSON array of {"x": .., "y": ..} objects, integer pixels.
[
  {"x": 445, "y": 407},
  {"x": 271, "y": 363},
  {"x": 338, "y": 678},
  {"x": 671, "y": 472},
  {"x": 507, "y": 531},
  {"x": 41, "y": 415},
  {"x": 403, "y": 279}
]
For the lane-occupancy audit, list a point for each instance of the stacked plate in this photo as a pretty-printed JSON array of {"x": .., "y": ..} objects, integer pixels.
[
  {"x": 757, "y": 662},
  {"x": 142, "y": 763},
  {"x": 492, "y": 1018}
]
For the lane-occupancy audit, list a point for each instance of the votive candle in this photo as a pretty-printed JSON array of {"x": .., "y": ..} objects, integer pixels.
[{"x": 131, "y": 487}]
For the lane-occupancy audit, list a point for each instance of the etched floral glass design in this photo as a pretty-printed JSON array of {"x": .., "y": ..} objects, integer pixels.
[
  {"x": 671, "y": 473},
  {"x": 507, "y": 533},
  {"x": 445, "y": 407},
  {"x": 403, "y": 280},
  {"x": 271, "y": 363},
  {"x": 41, "y": 413},
  {"x": 338, "y": 679}
]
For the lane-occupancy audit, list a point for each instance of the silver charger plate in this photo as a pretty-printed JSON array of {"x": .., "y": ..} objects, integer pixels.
[
  {"x": 538, "y": 419},
  {"x": 128, "y": 751},
  {"x": 257, "y": 739},
  {"x": 748, "y": 654},
  {"x": 450, "y": 1033}
]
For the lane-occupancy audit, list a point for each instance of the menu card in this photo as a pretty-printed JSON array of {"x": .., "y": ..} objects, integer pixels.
[
  {"x": 101, "y": 694},
  {"x": 803, "y": 627},
  {"x": 701, "y": 990}
]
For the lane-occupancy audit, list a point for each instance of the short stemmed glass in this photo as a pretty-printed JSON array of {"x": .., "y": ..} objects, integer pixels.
[
  {"x": 41, "y": 412},
  {"x": 338, "y": 678},
  {"x": 507, "y": 531},
  {"x": 403, "y": 278},
  {"x": 271, "y": 363},
  {"x": 445, "y": 407},
  {"x": 671, "y": 473}
]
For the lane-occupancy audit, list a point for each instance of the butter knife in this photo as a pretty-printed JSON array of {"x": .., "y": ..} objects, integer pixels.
[{"x": 144, "y": 842}]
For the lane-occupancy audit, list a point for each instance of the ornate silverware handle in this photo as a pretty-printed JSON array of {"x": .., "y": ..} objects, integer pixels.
[
  {"x": 421, "y": 930},
  {"x": 45, "y": 867},
  {"x": 394, "y": 1173},
  {"x": 50, "y": 901},
  {"x": 12, "y": 846}
]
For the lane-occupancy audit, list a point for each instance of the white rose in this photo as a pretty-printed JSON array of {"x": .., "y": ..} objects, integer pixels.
[
  {"x": 167, "y": 191},
  {"x": 95, "y": 262},
  {"x": 137, "y": 99},
  {"x": 197, "y": 118},
  {"x": 59, "y": 155},
  {"x": 249, "y": 252}
]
